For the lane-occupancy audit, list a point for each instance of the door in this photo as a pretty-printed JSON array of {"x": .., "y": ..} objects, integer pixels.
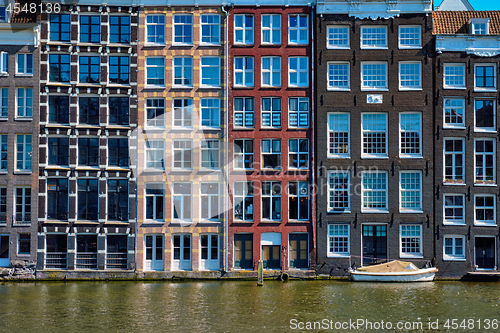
[
  {"x": 4, "y": 251},
  {"x": 298, "y": 251},
  {"x": 271, "y": 256},
  {"x": 243, "y": 251},
  {"x": 209, "y": 252},
  {"x": 86, "y": 251},
  {"x": 374, "y": 244},
  {"x": 154, "y": 252},
  {"x": 485, "y": 252},
  {"x": 182, "y": 252}
]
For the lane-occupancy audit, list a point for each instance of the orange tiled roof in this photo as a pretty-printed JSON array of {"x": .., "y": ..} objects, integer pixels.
[
  {"x": 23, "y": 17},
  {"x": 455, "y": 22}
]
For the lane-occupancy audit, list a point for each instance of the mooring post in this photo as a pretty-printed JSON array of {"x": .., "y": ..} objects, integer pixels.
[{"x": 260, "y": 273}]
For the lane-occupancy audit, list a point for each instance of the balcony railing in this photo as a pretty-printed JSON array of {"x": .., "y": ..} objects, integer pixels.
[
  {"x": 56, "y": 260},
  {"x": 116, "y": 261},
  {"x": 86, "y": 260}
]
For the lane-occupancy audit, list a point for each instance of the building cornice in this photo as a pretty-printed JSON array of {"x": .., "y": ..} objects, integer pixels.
[
  {"x": 481, "y": 46},
  {"x": 374, "y": 9}
]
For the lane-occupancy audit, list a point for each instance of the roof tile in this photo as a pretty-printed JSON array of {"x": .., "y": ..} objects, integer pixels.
[{"x": 455, "y": 22}]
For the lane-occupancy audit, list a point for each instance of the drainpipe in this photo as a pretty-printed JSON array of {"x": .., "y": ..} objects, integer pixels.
[
  {"x": 313, "y": 130},
  {"x": 137, "y": 141},
  {"x": 226, "y": 144}
]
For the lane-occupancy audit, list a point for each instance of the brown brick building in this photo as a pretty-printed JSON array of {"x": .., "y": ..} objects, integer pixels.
[{"x": 374, "y": 140}]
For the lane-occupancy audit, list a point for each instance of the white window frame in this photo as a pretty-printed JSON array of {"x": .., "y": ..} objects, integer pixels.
[
  {"x": 25, "y": 105},
  {"x": 331, "y": 134},
  {"x": 270, "y": 29},
  {"x": 449, "y": 66},
  {"x": 24, "y": 71},
  {"x": 410, "y": 77},
  {"x": 300, "y": 154},
  {"x": 209, "y": 105},
  {"x": 186, "y": 72},
  {"x": 362, "y": 39},
  {"x": 454, "y": 221},
  {"x": 419, "y": 237},
  {"x": 483, "y": 169},
  {"x": 402, "y": 131},
  {"x": 409, "y": 190},
  {"x": 174, "y": 24},
  {"x": 153, "y": 149},
  {"x": 209, "y": 67},
  {"x": 156, "y": 26},
  {"x": 154, "y": 196},
  {"x": 475, "y": 30},
  {"x": 210, "y": 24},
  {"x": 364, "y": 83},
  {"x": 4, "y": 152},
  {"x": 4, "y": 102},
  {"x": 24, "y": 210},
  {"x": 244, "y": 113},
  {"x": 298, "y": 115},
  {"x": 4, "y": 63},
  {"x": 303, "y": 191},
  {"x": 244, "y": 71},
  {"x": 156, "y": 122},
  {"x": 400, "y": 38},
  {"x": 182, "y": 147},
  {"x": 491, "y": 129},
  {"x": 371, "y": 190},
  {"x": 248, "y": 191},
  {"x": 186, "y": 113},
  {"x": 240, "y": 157},
  {"x": 26, "y": 154},
  {"x": 211, "y": 197},
  {"x": 335, "y": 79},
  {"x": 189, "y": 196},
  {"x": 454, "y": 180},
  {"x": 454, "y": 256},
  {"x": 485, "y": 223},
  {"x": 345, "y": 238},
  {"x": 299, "y": 72},
  {"x": 453, "y": 107},
  {"x": 339, "y": 190},
  {"x": 272, "y": 113},
  {"x": 368, "y": 132},
  {"x": 271, "y": 152},
  {"x": 273, "y": 72},
  {"x": 486, "y": 64},
  {"x": 155, "y": 66},
  {"x": 334, "y": 34},
  {"x": 298, "y": 28},
  {"x": 212, "y": 148},
  {"x": 273, "y": 198},
  {"x": 244, "y": 30}
]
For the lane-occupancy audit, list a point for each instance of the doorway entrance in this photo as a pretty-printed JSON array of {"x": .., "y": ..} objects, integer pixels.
[
  {"x": 485, "y": 252},
  {"x": 374, "y": 244}
]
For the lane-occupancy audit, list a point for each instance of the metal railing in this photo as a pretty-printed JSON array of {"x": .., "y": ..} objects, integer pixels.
[
  {"x": 56, "y": 260},
  {"x": 116, "y": 260},
  {"x": 86, "y": 260}
]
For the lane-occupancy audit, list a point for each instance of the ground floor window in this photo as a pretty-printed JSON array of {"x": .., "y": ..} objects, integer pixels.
[
  {"x": 454, "y": 248},
  {"x": 338, "y": 240},
  {"x": 411, "y": 241},
  {"x": 153, "y": 245},
  {"x": 181, "y": 252},
  {"x": 86, "y": 251},
  {"x": 243, "y": 251},
  {"x": 116, "y": 251},
  {"x": 56, "y": 256},
  {"x": 23, "y": 244},
  {"x": 298, "y": 250},
  {"x": 209, "y": 248}
]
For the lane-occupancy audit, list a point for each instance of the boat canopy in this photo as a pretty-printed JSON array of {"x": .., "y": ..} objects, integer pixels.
[{"x": 393, "y": 266}]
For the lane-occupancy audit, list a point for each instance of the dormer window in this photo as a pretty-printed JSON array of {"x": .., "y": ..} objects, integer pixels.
[{"x": 479, "y": 26}]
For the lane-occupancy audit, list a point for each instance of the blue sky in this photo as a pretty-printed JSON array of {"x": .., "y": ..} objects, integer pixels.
[{"x": 480, "y": 4}]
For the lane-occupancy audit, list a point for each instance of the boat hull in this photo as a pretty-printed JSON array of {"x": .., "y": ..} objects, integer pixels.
[{"x": 422, "y": 275}]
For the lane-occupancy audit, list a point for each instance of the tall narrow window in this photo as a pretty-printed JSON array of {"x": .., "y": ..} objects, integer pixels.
[
  {"x": 339, "y": 192},
  {"x": 410, "y": 183},
  {"x": 183, "y": 154},
  {"x": 338, "y": 76},
  {"x": 88, "y": 110},
  {"x": 23, "y": 204},
  {"x": 298, "y": 200},
  {"x": 485, "y": 209},
  {"x": 338, "y": 240},
  {"x": 90, "y": 29},
  {"x": 485, "y": 115},
  {"x": 243, "y": 201},
  {"x": 243, "y": 154},
  {"x": 90, "y": 69},
  {"x": 374, "y": 36},
  {"x": 337, "y": 37},
  {"x": 411, "y": 241},
  {"x": 24, "y": 102},
  {"x": 243, "y": 71},
  {"x": 155, "y": 154},
  {"x": 118, "y": 152},
  {"x": 271, "y": 201},
  {"x": 24, "y": 244},
  {"x": 210, "y": 201},
  {"x": 374, "y": 191},
  {"x": 57, "y": 198},
  {"x": 183, "y": 29},
  {"x": 410, "y": 127},
  {"x": 24, "y": 63},
  {"x": 244, "y": 108},
  {"x": 298, "y": 153},
  {"x": 298, "y": 29},
  {"x": 155, "y": 29},
  {"x": 298, "y": 71},
  {"x": 119, "y": 111},
  {"x": 485, "y": 161},
  {"x": 59, "y": 109},
  {"x": 60, "y": 27},
  {"x": 210, "y": 29},
  {"x": 243, "y": 29},
  {"x": 210, "y": 112},
  {"x": 4, "y": 102},
  {"x": 155, "y": 195},
  {"x": 454, "y": 209},
  {"x": 119, "y": 29},
  {"x": 183, "y": 71},
  {"x": 58, "y": 151},
  {"x": 271, "y": 72},
  {"x": 271, "y": 154},
  {"x": 454, "y": 161},
  {"x": 298, "y": 112},
  {"x": 210, "y": 154},
  {"x": 485, "y": 76},
  {"x": 59, "y": 68},
  {"x": 88, "y": 151},
  {"x": 23, "y": 152},
  {"x": 338, "y": 134},
  {"x": 155, "y": 112},
  {"x": 210, "y": 71},
  {"x": 88, "y": 199},
  {"x": 410, "y": 75},
  {"x": 183, "y": 112},
  {"x": 454, "y": 112},
  {"x": 4, "y": 148},
  {"x": 374, "y": 129},
  {"x": 4, "y": 63},
  {"x": 271, "y": 112},
  {"x": 182, "y": 201},
  {"x": 119, "y": 70},
  {"x": 155, "y": 71},
  {"x": 3, "y": 204},
  {"x": 118, "y": 200},
  {"x": 271, "y": 29}
]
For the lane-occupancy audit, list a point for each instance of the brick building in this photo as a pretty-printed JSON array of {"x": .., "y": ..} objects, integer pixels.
[
  {"x": 182, "y": 137},
  {"x": 466, "y": 132},
  {"x": 374, "y": 146},
  {"x": 88, "y": 118},
  {"x": 271, "y": 139},
  {"x": 19, "y": 77}
]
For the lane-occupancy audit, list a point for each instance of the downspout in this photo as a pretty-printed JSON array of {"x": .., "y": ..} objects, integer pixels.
[
  {"x": 136, "y": 142},
  {"x": 313, "y": 132},
  {"x": 226, "y": 143}
]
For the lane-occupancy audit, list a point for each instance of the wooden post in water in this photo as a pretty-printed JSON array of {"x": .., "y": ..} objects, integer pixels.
[{"x": 260, "y": 273}]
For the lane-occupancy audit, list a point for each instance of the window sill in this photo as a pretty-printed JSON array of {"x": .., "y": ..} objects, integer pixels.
[
  {"x": 88, "y": 167},
  {"x": 338, "y": 89},
  {"x": 270, "y": 128},
  {"x": 460, "y": 127},
  {"x": 485, "y": 224},
  {"x": 153, "y": 222},
  {"x": 182, "y": 44},
  {"x": 181, "y": 129},
  {"x": 4, "y": 74},
  {"x": 476, "y": 89},
  {"x": 454, "y": 88},
  {"x": 453, "y": 183},
  {"x": 209, "y": 87},
  {"x": 118, "y": 85},
  {"x": 271, "y": 170},
  {"x": 243, "y": 128},
  {"x": 57, "y": 125},
  {"x": 338, "y": 156},
  {"x": 411, "y": 256},
  {"x": 206, "y": 128},
  {"x": 335, "y": 212},
  {"x": 374, "y": 157},
  {"x": 155, "y": 129},
  {"x": 330, "y": 255},
  {"x": 181, "y": 170},
  {"x": 243, "y": 222},
  {"x": 410, "y": 156},
  {"x": 298, "y": 221},
  {"x": 485, "y": 130},
  {"x": 3, "y": 172},
  {"x": 243, "y": 87},
  {"x": 410, "y": 89},
  {"x": 4, "y": 118},
  {"x": 56, "y": 221},
  {"x": 88, "y": 126},
  {"x": 375, "y": 211},
  {"x": 117, "y": 168},
  {"x": 270, "y": 87},
  {"x": 23, "y": 75},
  {"x": 23, "y": 119},
  {"x": 153, "y": 170},
  {"x": 485, "y": 185},
  {"x": 174, "y": 86},
  {"x": 242, "y": 170},
  {"x": 118, "y": 44},
  {"x": 23, "y": 172},
  {"x": 372, "y": 89},
  {"x": 86, "y": 222},
  {"x": 117, "y": 222},
  {"x": 454, "y": 259},
  {"x": 243, "y": 44},
  {"x": 209, "y": 44},
  {"x": 270, "y": 221},
  {"x": 374, "y": 47},
  {"x": 291, "y": 169},
  {"x": 88, "y": 85},
  {"x": 410, "y": 47},
  {"x": 57, "y": 167},
  {"x": 455, "y": 223},
  {"x": 119, "y": 127},
  {"x": 208, "y": 221},
  {"x": 201, "y": 169},
  {"x": 411, "y": 211},
  {"x": 338, "y": 47},
  {"x": 297, "y": 87},
  {"x": 60, "y": 84},
  {"x": 154, "y": 87},
  {"x": 298, "y": 44},
  {"x": 295, "y": 128}
]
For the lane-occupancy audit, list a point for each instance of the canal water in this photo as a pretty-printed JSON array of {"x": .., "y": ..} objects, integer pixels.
[{"x": 241, "y": 306}]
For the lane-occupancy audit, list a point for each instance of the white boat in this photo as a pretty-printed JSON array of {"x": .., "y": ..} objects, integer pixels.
[{"x": 394, "y": 271}]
